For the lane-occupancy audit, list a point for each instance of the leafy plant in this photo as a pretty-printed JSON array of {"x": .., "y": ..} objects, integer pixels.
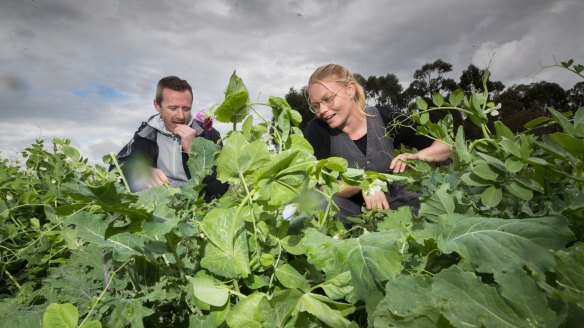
[{"x": 497, "y": 241}]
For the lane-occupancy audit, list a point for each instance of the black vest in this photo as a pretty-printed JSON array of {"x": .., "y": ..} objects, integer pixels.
[{"x": 379, "y": 146}]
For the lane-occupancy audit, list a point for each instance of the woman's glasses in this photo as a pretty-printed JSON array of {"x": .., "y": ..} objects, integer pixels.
[{"x": 328, "y": 102}]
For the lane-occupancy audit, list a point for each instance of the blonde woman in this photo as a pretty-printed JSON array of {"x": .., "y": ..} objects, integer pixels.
[{"x": 344, "y": 127}]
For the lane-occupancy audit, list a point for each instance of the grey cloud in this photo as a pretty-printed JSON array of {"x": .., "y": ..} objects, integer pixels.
[{"x": 52, "y": 49}]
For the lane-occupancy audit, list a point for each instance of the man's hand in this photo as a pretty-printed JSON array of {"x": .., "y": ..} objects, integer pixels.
[
  {"x": 375, "y": 200},
  {"x": 187, "y": 135},
  {"x": 157, "y": 178}
]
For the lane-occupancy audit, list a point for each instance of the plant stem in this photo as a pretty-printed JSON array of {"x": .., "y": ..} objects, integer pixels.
[
  {"x": 115, "y": 160},
  {"x": 275, "y": 265},
  {"x": 13, "y": 279},
  {"x": 255, "y": 233},
  {"x": 181, "y": 268},
  {"x": 103, "y": 292}
]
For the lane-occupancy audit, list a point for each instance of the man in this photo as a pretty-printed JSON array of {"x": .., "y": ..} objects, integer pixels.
[{"x": 159, "y": 151}]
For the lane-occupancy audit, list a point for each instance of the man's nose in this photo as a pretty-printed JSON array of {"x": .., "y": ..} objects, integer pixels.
[{"x": 181, "y": 114}]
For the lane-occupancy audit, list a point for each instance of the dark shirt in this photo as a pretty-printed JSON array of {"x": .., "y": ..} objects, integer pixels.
[{"x": 398, "y": 127}]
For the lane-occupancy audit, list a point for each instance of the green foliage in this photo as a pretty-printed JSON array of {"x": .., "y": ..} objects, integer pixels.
[{"x": 497, "y": 242}]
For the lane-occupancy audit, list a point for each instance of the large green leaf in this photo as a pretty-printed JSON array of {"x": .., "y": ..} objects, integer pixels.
[
  {"x": 281, "y": 181},
  {"x": 202, "y": 158},
  {"x": 440, "y": 202},
  {"x": 510, "y": 147},
  {"x": 579, "y": 123},
  {"x": 252, "y": 311},
  {"x": 163, "y": 218},
  {"x": 462, "y": 152},
  {"x": 495, "y": 245},
  {"x": 407, "y": 303},
  {"x": 297, "y": 142},
  {"x": 492, "y": 196},
  {"x": 235, "y": 106},
  {"x": 92, "y": 228},
  {"x": 233, "y": 109},
  {"x": 284, "y": 303},
  {"x": 205, "y": 290},
  {"x": 503, "y": 131},
  {"x": 528, "y": 301},
  {"x": 467, "y": 302},
  {"x": 519, "y": 191},
  {"x": 571, "y": 144},
  {"x": 408, "y": 296},
  {"x": 570, "y": 271},
  {"x": 227, "y": 252},
  {"x": 331, "y": 317},
  {"x": 290, "y": 277},
  {"x": 240, "y": 158},
  {"x": 61, "y": 316},
  {"x": 338, "y": 287},
  {"x": 486, "y": 172},
  {"x": 563, "y": 121},
  {"x": 129, "y": 313},
  {"x": 372, "y": 259}
]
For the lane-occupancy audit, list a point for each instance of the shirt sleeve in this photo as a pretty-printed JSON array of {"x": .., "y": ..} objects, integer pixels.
[{"x": 318, "y": 135}]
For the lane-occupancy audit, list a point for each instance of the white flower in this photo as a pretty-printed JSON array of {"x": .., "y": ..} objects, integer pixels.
[
  {"x": 376, "y": 186},
  {"x": 288, "y": 212},
  {"x": 493, "y": 111}
]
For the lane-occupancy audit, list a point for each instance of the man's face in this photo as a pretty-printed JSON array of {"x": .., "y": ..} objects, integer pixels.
[{"x": 175, "y": 108}]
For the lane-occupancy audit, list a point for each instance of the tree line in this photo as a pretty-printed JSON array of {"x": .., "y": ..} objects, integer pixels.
[{"x": 520, "y": 103}]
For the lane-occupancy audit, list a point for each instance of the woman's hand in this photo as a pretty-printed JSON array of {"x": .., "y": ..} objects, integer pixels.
[
  {"x": 375, "y": 199},
  {"x": 398, "y": 163},
  {"x": 437, "y": 152}
]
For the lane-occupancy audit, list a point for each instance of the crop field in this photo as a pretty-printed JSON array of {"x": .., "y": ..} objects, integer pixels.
[{"x": 497, "y": 242}]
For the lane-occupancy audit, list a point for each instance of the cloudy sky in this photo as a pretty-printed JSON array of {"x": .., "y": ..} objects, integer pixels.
[{"x": 87, "y": 70}]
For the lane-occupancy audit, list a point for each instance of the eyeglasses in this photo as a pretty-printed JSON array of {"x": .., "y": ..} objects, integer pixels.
[{"x": 328, "y": 102}]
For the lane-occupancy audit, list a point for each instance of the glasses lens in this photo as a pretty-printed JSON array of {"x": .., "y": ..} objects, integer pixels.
[{"x": 314, "y": 107}]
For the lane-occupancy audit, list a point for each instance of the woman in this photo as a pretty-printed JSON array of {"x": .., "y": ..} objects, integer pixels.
[{"x": 343, "y": 127}]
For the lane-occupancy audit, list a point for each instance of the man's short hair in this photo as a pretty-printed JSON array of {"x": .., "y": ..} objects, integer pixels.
[{"x": 173, "y": 83}]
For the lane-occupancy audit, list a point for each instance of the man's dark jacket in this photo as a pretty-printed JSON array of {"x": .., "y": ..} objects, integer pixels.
[{"x": 143, "y": 146}]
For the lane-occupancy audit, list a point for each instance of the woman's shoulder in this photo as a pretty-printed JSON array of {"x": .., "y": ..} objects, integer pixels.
[{"x": 318, "y": 125}]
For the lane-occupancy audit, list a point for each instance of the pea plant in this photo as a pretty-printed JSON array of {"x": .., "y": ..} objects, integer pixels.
[{"x": 497, "y": 241}]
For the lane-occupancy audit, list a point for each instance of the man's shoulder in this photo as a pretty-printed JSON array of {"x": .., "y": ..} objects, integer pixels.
[{"x": 145, "y": 131}]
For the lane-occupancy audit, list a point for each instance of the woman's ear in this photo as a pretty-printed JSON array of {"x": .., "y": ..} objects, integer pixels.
[{"x": 351, "y": 89}]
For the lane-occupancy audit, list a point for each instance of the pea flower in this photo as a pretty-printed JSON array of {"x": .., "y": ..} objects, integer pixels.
[
  {"x": 204, "y": 117},
  {"x": 289, "y": 211},
  {"x": 376, "y": 186},
  {"x": 494, "y": 111}
]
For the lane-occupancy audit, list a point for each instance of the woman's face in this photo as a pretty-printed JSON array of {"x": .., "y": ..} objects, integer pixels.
[{"x": 332, "y": 102}]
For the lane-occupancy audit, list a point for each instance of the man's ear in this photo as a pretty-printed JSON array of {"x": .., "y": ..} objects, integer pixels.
[{"x": 158, "y": 109}]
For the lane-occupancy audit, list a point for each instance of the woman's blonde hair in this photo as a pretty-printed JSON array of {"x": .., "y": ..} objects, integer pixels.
[{"x": 339, "y": 74}]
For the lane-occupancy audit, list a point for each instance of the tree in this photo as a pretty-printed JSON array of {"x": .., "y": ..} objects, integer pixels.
[
  {"x": 473, "y": 77},
  {"x": 576, "y": 96},
  {"x": 512, "y": 99},
  {"x": 430, "y": 80},
  {"x": 385, "y": 91},
  {"x": 544, "y": 94},
  {"x": 523, "y": 103},
  {"x": 297, "y": 101}
]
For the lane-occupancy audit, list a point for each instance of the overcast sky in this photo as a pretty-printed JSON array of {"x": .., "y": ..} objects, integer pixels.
[{"x": 87, "y": 70}]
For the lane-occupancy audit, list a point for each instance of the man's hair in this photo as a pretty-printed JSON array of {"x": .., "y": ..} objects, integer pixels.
[{"x": 173, "y": 83}]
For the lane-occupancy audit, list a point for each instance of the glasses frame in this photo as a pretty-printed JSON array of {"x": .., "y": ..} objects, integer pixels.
[{"x": 327, "y": 102}]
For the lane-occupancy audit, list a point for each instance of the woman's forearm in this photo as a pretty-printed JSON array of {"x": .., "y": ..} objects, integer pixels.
[
  {"x": 437, "y": 152},
  {"x": 347, "y": 191}
]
